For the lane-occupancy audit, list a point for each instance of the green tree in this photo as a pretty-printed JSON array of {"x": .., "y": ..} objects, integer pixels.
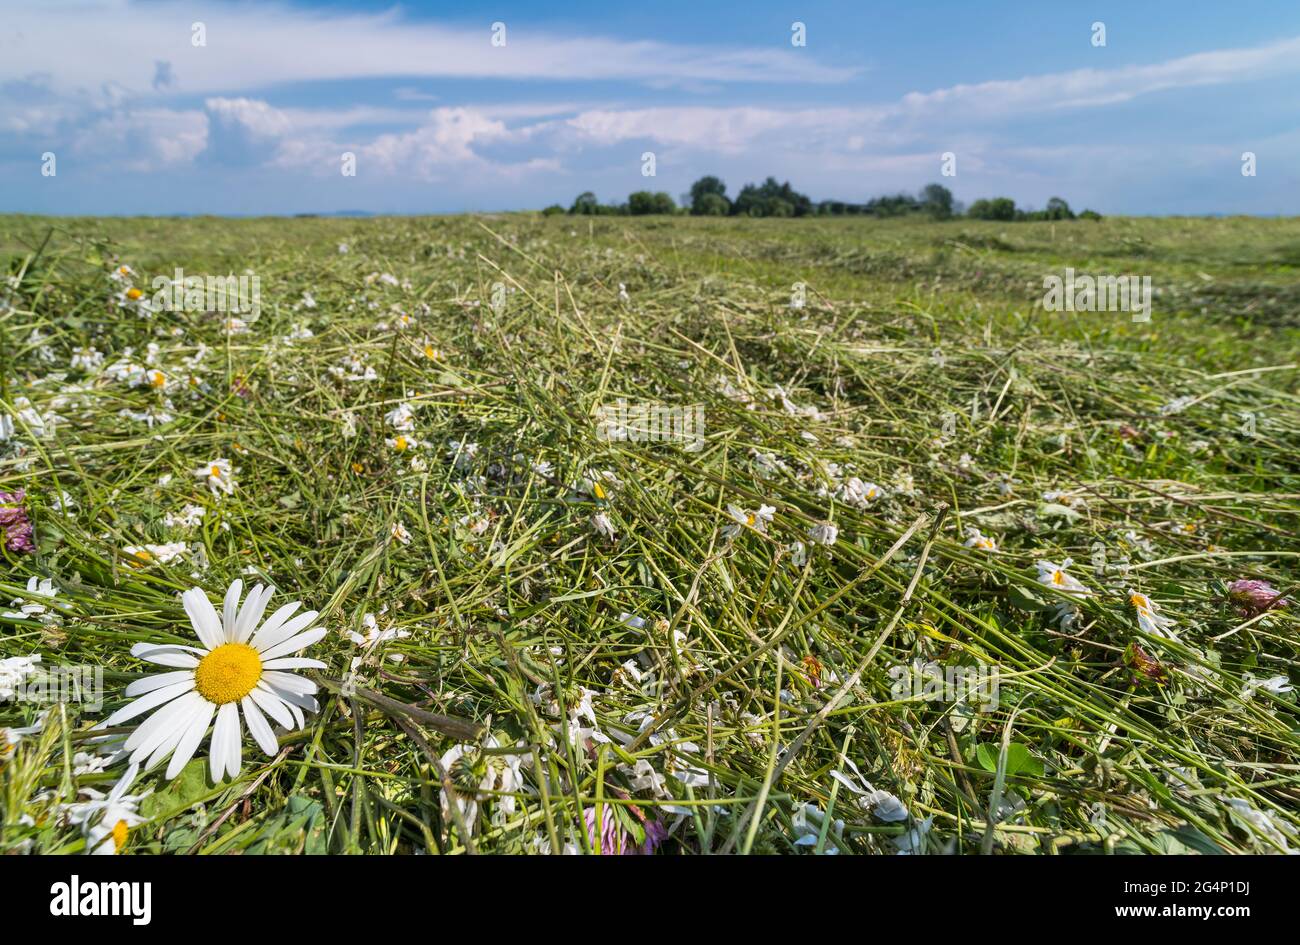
[
  {"x": 711, "y": 205},
  {"x": 709, "y": 186},
  {"x": 937, "y": 201},
  {"x": 585, "y": 203}
]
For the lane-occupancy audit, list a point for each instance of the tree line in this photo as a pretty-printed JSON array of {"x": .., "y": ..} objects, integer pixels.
[{"x": 708, "y": 198}]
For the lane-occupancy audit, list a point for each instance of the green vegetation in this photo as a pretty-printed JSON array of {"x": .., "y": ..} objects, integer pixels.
[{"x": 659, "y": 639}]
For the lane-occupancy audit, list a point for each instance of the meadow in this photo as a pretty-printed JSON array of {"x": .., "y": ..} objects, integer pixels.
[{"x": 944, "y": 572}]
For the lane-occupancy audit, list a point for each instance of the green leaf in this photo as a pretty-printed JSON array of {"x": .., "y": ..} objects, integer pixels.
[
  {"x": 1019, "y": 759},
  {"x": 1023, "y": 599},
  {"x": 190, "y": 786}
]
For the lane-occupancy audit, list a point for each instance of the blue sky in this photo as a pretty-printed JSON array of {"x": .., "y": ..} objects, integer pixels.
[{"x": 142, "y": 121}]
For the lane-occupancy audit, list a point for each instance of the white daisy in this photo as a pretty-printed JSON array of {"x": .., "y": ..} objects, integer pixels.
[
  {"x": 219, "y": 474},
  {"x": 105, "y": 820},
  {"x": 1148, "y": 616},
  {"x": 1054, "y": 576},
  {"x": 235, "y": 668},
  {"x": 742, "y": 519},
  {"x": 13, "y": 671},
  {"x": 401, "y": 442},
  {"x": 974, "y": 539},
  {"x": 401, "y": 418},
  {"x": 163, "y": 554}
]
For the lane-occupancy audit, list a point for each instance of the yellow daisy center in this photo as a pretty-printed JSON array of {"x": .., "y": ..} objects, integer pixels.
[
  {"x": 597, "y": 490},
  {"x": 133, "y": 293},
  {"x": 400, "y": 443},
  {"x": 228, "y": 673},
  {"x": 1058, "y": 577},
  {"x": 158, "y": 379},
  {"x": 215, "y": 472},
  {"x": 750, "y": 519},
  {"x": 120, "y": 831}
]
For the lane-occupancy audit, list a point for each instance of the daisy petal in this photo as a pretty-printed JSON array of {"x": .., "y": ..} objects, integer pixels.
[
  {"x": 294, "y": 643},
  {"x": 293, "y": 662},
  {"x": 258, "y": 726},
  {"x": 272, "y": 705},
  {"x": 264, "y": 640},
  {"x": 288, "y": 682},
  {"x": 147, "y": 702},
  {"x": 158, "y": 726},
  {"x": 203, "y": 616},
  {"x": 226, "y": 730},
  {"x": 196, "y": 726},
  {"x": 230, "y": 608},
  {"x": 158, "y": 680},
  {"x": 251, "y": 612},
  {"x": 274, "y": 622}
]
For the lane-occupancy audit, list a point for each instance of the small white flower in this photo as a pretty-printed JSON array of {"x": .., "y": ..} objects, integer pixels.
[
  {"x": 401, "y": 418},
  {"x": 743, "y": 518},
  {"x": 1277, "y": 685},
  {"x": 1148, "y": 616},
  {"x": 600, "y": 521},
  {"x": 400, "y": 533},
  {"x": 1055, "y": 576},
  {"x": 882, "y": 804},
  {"x": 105, "y": 821},
  {"x": 974, "y": 539},
  {"x": 13, "y": 671},
  {"x": 34, "y": 610},
  {"x": 220, "y": 476},
  {"x": 823, "y": 533},
  {"x": 190, "y": 517},
  {"x": 162, "y": 554}
]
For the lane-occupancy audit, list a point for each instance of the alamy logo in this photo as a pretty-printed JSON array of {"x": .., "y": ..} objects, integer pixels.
[
  {"x": 641, "y": 423},
  {"x": 977, "y": 686},
  {"x": 231, "y": 295},
  {"x": 1098, "y": 294},
  {"x": 103, "y": 899}
]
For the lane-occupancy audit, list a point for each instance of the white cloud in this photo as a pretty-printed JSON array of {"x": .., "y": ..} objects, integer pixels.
[
  {"x": 256, "y": 46},
  {"x": 143, "y": 140}
]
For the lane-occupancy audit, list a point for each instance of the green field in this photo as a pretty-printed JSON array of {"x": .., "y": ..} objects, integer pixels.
[{"x": 559, "y": 629}]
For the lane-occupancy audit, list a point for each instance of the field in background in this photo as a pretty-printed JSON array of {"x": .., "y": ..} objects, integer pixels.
[{"x": 660, "y": 639}]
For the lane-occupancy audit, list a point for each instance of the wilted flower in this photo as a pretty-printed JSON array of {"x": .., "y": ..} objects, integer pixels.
[
  {"x": 1250, "y": 596},
  {"x": 15, "y": 526},
  {"x": 614, "y": 839},
  {"x": 1277, "y": 685},
  {"x": 1144, "y": 665}
]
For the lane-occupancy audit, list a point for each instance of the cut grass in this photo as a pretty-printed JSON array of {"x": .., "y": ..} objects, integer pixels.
[{"x": 742, "y": 678}]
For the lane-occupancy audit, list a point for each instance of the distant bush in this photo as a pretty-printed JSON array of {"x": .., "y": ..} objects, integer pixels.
[
  {"x": 708, "y": 198},
  {"x": 553, "y": 210},
  {"x": 770, "y": 199},
  {"x": 643, "y": 203},
  {"x": 998, "y": 208},
  {"x": 711, "y": 205}
]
